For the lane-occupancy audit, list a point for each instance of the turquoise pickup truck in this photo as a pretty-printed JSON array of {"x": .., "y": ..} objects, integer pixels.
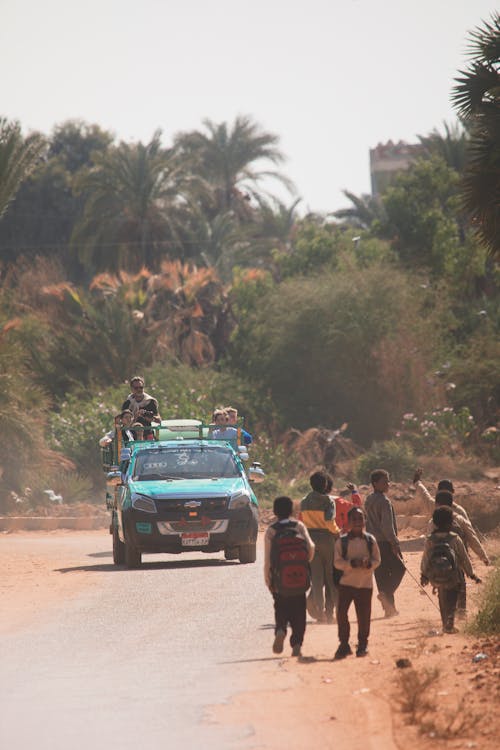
[{"x": 182, "y": 492}]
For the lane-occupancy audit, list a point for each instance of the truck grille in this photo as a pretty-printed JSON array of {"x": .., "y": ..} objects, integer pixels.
[{"x": 207, "y": 504}]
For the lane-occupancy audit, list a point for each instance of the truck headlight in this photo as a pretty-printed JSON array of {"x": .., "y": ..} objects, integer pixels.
[
  {"x": 239, "y": 500},
  {"x": 144, "y": 503}
]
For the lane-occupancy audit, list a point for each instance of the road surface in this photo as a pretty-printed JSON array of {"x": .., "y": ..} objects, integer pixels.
[
  {"x": 178, "y": 654},
  {"x": 132, "y": 658}
]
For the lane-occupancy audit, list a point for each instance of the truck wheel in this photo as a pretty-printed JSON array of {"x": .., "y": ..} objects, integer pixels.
[
  {"x": 248, "y": 553},
  {"x": 118, "y": 548},
  {"x": 132, "y": 556},
  {"x": 231, "y": 553}
]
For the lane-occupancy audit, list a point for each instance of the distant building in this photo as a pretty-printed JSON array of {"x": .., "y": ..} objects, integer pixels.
[{"x": 390, "y": 159}]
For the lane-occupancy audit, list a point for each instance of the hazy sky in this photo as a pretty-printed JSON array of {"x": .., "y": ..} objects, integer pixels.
[{"x": 330, "y": 78}]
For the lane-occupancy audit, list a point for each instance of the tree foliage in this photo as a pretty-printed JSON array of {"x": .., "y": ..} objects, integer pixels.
[
  {"x": 229, "y": 158},
  {"x": 476, "y": 97},
  {"x": 46, "y": 209},
  {"x": 323, "y": 346},
  {"x": 136, "y": 197},
  {"x": 18, "y": 158}
]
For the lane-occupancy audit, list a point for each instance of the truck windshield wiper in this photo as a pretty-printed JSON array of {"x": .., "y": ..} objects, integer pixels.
[{"x": 151, "y": 477}]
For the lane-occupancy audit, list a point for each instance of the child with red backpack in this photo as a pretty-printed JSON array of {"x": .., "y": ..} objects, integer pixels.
[
  {"x": 444, "y": 562},
  {"x": 288, "y": 550}
]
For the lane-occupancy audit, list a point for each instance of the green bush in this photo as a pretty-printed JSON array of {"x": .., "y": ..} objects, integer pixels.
[
  {"x": 336, "y": 319},
  {"x": 395, "y": 457},
  {"x": 437, "y": 430},
  {"x": 275, "y": 484},
  {"x": 487, "y": 620}
]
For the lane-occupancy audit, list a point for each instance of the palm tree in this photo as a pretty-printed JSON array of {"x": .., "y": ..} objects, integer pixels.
[
  {"x": 270, "y": 235},
  {"x": 136, "y": 200},
  {"x": 476, "y": 97},
  {"x": 452, "y": 146},
  {"x": 227, "y": 157},
  {"x": 188, "y": 313},
  {"x": 18, "y": 159},
  {"x": 182, "y": 311},
  {"x": 365, "y": 210}
]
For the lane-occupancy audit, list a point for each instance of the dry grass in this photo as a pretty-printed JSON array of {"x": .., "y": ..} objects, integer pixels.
[
  {"x": 414, "y": 694},
  {"x": 421, "y": 705},
  {"x": 448, "y": 723}
]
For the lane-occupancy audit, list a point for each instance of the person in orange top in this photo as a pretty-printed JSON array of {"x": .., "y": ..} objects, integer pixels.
[{"x": 343, "y": 505}]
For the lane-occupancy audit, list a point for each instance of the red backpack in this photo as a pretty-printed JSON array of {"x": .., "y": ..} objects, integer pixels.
[{"x": 290, "y": 569}]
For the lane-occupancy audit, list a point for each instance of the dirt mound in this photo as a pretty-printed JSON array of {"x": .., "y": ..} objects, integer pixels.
[{"x": 319, "y": 447}]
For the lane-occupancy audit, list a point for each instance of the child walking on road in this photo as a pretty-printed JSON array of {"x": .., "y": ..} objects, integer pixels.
[
  {"x": 444, "y": 561},
  {"x": 317, "y": 511},
  {"x": 357, "y": 555},
  {"x": 288, "y": 550},
  {"x": 381, "y": 522}
]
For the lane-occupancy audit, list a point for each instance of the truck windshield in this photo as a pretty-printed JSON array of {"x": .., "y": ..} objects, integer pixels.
[{"x": 188, "y": 462}]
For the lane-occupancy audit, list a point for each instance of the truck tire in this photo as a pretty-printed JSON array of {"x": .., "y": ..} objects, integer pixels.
[
  {"x": 248, "y": 553},
  {"x": 231, "y": 553},
  {"x": 132, "y": 556},
  {"x": 118, "y": 548}
]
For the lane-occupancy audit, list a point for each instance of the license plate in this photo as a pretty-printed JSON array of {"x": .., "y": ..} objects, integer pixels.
[{"x": 195, "y": 539}]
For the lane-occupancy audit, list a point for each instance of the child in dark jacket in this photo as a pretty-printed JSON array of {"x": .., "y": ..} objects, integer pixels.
[{"x": 444, "y": 561}]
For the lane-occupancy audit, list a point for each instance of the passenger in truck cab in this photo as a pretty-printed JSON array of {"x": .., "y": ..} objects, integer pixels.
[
  {"x": 108, "y": 438},
  {"x": 220, "y": 428},
  {"x": 123, "y": 422},
  {"x": 232, "y": 416},
  {"x": 138, "y": 431},
  {"x": 126, "y": 421}
]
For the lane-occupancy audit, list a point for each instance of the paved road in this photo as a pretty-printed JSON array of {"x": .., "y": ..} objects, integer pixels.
[{"x": 136, "y": 657}]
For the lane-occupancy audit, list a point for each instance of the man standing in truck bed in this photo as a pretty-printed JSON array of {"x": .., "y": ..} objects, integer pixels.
[{"x": 143, "y": 406}]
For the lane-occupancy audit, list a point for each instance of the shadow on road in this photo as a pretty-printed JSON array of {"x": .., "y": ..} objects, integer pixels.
[
  {"x": 162, "y": 565},
  {"x": 299, "y": 660},
  {"x": 100, "y": 554}
]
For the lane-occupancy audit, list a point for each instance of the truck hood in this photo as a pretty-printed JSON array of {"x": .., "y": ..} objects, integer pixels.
[{"x": 192, "y": 488}]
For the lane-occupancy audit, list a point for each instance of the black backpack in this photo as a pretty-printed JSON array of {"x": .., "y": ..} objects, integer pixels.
[
  {"x": 442, "y": 568},
  {"x": 290, "y": 569}
]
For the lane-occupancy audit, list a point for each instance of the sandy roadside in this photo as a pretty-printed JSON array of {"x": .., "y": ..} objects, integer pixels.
[
  {"x": 294, "y": 704},
  {"x": 31, "y": 580},
  {"x": 352, "y": 704}
]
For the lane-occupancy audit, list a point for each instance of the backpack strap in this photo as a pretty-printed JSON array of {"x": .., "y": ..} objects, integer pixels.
[
  {"x": 369, "y": 541},
  {"x": 344, "y": 541},
  {"x": 277, "y": 526}
]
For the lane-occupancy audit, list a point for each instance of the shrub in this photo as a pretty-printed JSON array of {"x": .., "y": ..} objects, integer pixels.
[
  {"x": 395, "y": 457},
  {"x": 275, "y": 484},
  {"x": 437, "y": 430},
  {"x": 487, "y": 620},
  {"x": 337, "y": 319}
]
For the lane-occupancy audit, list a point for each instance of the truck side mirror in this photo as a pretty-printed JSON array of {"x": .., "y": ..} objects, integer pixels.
[
  {"x": 255, "y": 473},
  {"x": 114, "y": 478}
]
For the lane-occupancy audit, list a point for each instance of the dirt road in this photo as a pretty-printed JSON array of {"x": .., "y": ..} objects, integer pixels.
[{"x": 178, "y": 654}]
